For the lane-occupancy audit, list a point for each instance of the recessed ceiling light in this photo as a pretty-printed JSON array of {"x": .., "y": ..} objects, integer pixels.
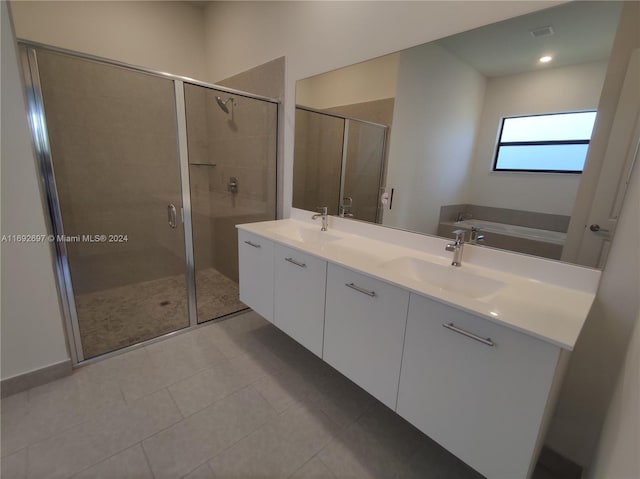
[{"x": 545, "y": 59}]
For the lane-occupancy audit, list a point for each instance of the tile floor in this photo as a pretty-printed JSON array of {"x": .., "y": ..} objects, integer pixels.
[
  {"x": 232, "y": 399},
  {"x": 117, "y": 317}
]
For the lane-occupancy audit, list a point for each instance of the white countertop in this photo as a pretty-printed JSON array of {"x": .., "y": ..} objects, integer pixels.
[{"x": 546, "y": 309}]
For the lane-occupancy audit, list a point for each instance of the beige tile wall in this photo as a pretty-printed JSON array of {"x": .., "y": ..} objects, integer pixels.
[
  {"x": 113, "y": 143},
  {"x": 241, "y": 144},
  {"x": 318, "y": 158},
  {"x": 317, "y": 161}
]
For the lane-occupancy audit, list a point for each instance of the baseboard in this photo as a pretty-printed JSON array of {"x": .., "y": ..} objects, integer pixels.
[
  {"x": 559, "y": 465},
  {"x": 22, "y": 382}
]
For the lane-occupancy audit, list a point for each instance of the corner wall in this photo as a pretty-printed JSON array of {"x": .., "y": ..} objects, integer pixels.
[
  {"x": 165, "y": 36},
  {"x": 32, "y": 332}
]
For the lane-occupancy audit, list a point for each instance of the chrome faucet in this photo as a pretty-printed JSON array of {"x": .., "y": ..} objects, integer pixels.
[
  {"x": 475, "y": 237},
  {"x": 324, "y": 216},
  {"x": 345, "y": 207},
  {"x": 456, "y": 247}
]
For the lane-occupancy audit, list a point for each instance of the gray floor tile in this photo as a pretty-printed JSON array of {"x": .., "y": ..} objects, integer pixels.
[
  {"x": 340, "y": 399},
  {"x": 313, "y": 469},
  {"x": 284, "y": 389},
  {"x": 179, "y": 449},
  {"x": 14, "y": 466},
  {"x": 277, "y": 449},
  {"x": 432, "y": 461},
  {"x": 391, "y": 431},
  {"x": 202, "y": 472},
  {"x": 206, "y": 387},
  {"x": 110, "y": 432},
  {"x": 356, "y": 453},
  {"x": 128, "y": 464},
  {"x": 45, "y": 411},
  {"x": 193, "y": 350}
]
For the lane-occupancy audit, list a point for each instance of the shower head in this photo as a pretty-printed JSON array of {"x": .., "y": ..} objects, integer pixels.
[{"x": 223, "y": 103}]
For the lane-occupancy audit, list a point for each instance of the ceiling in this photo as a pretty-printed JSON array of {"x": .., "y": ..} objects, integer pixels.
[{"x": 583, "y": 32}]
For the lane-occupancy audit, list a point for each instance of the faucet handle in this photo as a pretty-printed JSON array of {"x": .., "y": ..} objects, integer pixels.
[
  {"x": 322, "y": 209},
  {"x": 459, "y": 235}
]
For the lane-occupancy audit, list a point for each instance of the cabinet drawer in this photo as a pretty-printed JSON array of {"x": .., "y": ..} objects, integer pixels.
[
  {"x": 474, "y": 386},
  {"x": 364, "y": 331},
  {"x": 255, "y": 258},
  {"x": 300, "y": 280}
]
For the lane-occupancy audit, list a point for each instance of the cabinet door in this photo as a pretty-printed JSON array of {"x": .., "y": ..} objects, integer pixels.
[
  {"x": 482, "y": 402},
  {"x": 300, "y": 280},
  {"x": 364, "y": 331},
  {"x": 255, "y": 256}
]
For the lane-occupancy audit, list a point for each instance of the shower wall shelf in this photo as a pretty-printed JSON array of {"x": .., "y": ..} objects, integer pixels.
[{"x": 202, "y": 164}]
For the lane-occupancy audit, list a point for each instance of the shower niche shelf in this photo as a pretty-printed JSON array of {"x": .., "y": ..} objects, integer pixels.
[{"x": 202, "y": 164}]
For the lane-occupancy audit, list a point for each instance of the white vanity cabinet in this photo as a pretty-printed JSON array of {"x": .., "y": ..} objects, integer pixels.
[
  {"x": 255, "y": 261},
  {"x": 477, "y": 388},
  {"x": 364, "y": 331},
  {"x": 300, "y": 280}
]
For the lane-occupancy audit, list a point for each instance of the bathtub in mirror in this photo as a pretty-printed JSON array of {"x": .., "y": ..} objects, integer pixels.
[{"x": 430, "y": 139}]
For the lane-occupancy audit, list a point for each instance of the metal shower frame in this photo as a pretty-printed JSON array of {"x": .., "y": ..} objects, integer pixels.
[{"x": 49, "y": 193}]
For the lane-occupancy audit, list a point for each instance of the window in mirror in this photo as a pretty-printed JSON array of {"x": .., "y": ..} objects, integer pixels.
[{"x": 553, "y": 143}]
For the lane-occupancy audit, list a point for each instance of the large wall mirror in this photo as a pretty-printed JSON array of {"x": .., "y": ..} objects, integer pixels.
[{"x": 486, "y": 130}]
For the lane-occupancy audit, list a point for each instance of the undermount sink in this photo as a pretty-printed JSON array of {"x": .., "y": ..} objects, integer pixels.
[
  {"x": 304, "y": 235},
  {"x": 447, "y": 278}
]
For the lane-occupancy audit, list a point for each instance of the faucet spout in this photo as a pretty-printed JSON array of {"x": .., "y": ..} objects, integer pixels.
[
  {"x": 456, "y": 247},
  {"x": 324, "y": 216}
]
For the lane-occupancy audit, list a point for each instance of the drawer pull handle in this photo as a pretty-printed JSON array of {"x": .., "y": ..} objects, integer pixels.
[
  {"x": 297, "y": 263},
  {"x": 361, "y": 290},
  {"x": 252, "y": 244},
  {"x": 454, "y": 328}
]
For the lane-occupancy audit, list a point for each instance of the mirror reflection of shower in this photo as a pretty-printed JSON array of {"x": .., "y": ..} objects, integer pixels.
[
  {"x": 228, "y": 106},
  {"x": 223, "y": 104}
]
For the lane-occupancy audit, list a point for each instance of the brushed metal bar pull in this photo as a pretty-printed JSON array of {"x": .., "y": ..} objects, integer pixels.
[
  {"x": 250, "y": 243},
  {"x": 297, "y": 263},
  {"x": 171, "y": 214},
  {"x": 454, "y": 328},
  {"x": 360, "y": 290}
]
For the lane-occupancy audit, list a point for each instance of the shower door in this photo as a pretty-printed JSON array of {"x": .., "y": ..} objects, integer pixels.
[
  {"x": 319, "y": 146},
  {"x": 363, "y": 170},
  {"x": 232, "y": 144},
  {"x": 116, "y": 174}
]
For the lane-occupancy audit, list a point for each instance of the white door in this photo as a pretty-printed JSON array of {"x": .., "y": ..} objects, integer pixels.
[{"x": 620, "y": 155}]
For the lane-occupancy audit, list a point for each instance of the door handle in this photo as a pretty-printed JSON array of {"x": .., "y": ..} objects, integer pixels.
[
  {"x": 596, "y": 228},
  {"x": 360, "y": 290},
  {"x": 171, "y": 214},
  {"x": 297, "y": 263}
]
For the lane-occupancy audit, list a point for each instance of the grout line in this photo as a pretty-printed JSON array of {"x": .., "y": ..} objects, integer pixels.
[
  {"x": 146, "y": 458},
  {"x": 173, "y": 400}
]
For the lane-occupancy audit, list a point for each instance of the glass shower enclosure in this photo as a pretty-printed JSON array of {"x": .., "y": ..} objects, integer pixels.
[
  {"x": 145, "y": 177},
  {"x": 339, "y": 162}
]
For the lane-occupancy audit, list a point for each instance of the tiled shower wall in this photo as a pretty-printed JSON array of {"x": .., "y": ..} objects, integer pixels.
[
  {"x": 241, "y": 144},
  {"x": 318, "y": 152},
  {"x": 113, "y": 142},
  {"x": 317, "y": 161}
]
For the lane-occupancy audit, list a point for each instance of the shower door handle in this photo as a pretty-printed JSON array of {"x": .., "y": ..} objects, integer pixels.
[{"x": 171, "y": 212}]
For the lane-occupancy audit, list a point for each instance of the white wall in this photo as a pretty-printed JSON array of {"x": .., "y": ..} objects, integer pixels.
[
  {"x": 32, "y": 332},
  {"x": 435, "y": 118},
  {"x": 599, "y": 353},
  {"x": 165, "y": 36},
  {"x": 570, "y": 88},
  {"x": 317, "y": 37},
  {"x": 617, "y": 456},
  {"x": 367, "y": 81}
]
